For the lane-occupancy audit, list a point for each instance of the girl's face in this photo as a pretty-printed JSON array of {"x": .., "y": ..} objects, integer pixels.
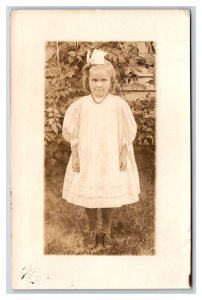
[{"x": 99, "y": 81}]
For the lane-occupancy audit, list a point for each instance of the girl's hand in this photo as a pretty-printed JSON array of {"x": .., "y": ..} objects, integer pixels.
[
  {"x": 123, "y": 158},
  {"x": 123, "y": 162},
  {"x": 75, "y": 159},
  {"x": 75, "y": 164}
]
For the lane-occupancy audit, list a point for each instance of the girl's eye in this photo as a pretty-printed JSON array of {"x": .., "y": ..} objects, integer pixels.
[{"x": 95, "y": 80}]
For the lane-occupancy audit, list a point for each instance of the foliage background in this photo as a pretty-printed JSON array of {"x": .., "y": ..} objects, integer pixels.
[{"x": 135, "y": 67}]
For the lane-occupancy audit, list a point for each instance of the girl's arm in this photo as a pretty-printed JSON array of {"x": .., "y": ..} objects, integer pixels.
[
  {"x": 122, "y": 158},
  {"x": 75, "y": 158}
]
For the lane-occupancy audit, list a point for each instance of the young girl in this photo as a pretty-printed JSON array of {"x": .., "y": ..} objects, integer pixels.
[{"x": 102, "y": 171}]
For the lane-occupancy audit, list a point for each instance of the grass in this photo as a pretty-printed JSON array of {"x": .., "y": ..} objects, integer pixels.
[{"x": 132, "y": 228}]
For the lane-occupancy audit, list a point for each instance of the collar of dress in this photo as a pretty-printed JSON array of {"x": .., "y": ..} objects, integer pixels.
[{"x": 98, "y": 102}]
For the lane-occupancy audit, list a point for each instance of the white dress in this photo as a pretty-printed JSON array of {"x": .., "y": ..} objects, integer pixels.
[{"x": 100, "y": 129}]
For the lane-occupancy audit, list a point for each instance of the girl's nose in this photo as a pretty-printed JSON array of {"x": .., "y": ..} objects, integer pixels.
[{"x": 99, "y": 83}]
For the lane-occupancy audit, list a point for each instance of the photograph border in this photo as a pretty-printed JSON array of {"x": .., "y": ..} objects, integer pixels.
[{"x": 193, "y": 97}]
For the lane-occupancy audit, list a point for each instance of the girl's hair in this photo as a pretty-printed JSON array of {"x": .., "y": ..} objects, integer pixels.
[{"x": 109, "y": 67}]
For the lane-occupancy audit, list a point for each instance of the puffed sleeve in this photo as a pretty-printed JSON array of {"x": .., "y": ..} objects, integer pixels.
[
  {"x": 127, "y": 124},
  {"x": 70, "y": 130}
]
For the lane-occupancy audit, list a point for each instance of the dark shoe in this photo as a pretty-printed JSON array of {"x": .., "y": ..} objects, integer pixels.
[
  {"x": 106, "y": 240},
  {"x": 103, "y": 239},
  {"x": 99, "y": 239},
  {"x": 89, "y": 239}
]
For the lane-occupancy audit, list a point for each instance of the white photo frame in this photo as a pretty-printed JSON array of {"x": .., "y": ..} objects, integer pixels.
[{"x": 170, "y": 267}]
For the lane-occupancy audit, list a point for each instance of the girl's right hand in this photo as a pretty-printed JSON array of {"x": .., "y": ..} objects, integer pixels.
[{"x": 75, "y": 164}]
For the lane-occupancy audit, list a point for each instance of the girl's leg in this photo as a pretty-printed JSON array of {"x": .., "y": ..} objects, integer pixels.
[
  {"x": 107, "y": 214},
  {"x": 92, "y": 218}
]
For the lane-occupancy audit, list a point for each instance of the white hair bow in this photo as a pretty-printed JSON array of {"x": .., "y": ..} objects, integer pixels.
[{"x": 97, "y": 57}]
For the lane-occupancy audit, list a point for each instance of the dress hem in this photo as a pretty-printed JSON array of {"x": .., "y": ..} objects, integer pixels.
[{"x": 101, "y": 203}]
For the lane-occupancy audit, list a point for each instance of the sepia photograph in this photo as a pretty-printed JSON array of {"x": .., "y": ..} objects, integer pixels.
[
  {"x": 100, "y": 141},
  {"x": 100, "y": 149}
]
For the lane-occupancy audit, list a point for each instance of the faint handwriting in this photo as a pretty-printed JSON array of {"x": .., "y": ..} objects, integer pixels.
[{"x": 33, "y": 277}]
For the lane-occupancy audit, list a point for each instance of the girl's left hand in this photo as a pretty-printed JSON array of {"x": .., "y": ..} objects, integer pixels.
[{"x": 123, "y": 162}]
